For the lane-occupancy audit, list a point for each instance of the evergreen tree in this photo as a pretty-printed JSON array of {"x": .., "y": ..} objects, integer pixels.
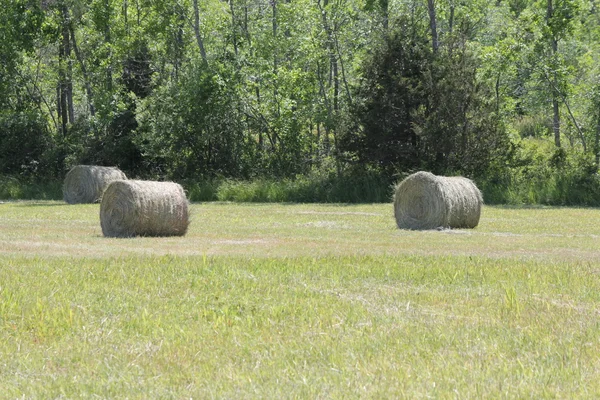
[{"x": 423, "y": 108}]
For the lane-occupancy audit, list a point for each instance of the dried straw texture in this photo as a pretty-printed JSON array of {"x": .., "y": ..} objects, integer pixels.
[
  {"x": 427, "y": 201},
  {"x": 144, "y": 208},
  {"x": 86, "y": 183}
]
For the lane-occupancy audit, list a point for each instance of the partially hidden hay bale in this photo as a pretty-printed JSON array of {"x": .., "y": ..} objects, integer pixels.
[
  {"x": 426, "y": 201},
  {"x": 144, "y": 208},
  {"x": 86, "y": 183}
]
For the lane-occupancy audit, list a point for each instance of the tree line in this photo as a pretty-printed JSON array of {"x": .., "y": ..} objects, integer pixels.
[{"x": 188, "y": 89}]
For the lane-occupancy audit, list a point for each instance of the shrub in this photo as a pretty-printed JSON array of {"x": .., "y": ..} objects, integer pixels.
[
  {"x": 23, "y": 140},
  {"x": 543, "y": 174}
]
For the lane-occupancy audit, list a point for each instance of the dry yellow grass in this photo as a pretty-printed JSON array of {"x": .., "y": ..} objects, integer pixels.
[{"x": 47, "y": 229}]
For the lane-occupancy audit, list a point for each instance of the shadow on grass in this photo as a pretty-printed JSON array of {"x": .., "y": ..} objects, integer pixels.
[
  {"x": 283, "y": 203},
  {"x": 34, "y": 203},
  {"x": 537, "y": 207}
]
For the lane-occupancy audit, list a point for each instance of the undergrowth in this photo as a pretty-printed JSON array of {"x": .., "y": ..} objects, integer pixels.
[
  {"x": 539, "y": 174},
  {"x": 12, "y": 188}
]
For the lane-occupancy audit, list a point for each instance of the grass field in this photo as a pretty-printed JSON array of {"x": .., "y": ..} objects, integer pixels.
[{"x": 300, "y": 301}]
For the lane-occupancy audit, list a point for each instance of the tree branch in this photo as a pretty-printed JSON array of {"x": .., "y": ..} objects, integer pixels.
[{"x": 566, "y": 103}]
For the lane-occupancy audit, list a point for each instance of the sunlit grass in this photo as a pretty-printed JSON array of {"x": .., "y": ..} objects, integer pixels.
[
  {"x": 51, "y": 229},
  {"x": 300, "y": 301}
]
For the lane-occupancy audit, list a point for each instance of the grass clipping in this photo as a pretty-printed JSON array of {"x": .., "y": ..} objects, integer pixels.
[
  {"x": 144, "y": 208},
  {"x": 426, "y": 201},
  {"x": 86, "y": 183}
]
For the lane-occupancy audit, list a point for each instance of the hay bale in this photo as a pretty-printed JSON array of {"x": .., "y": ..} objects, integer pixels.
[
  {"x": 86, "y": 183},
  {"x": 426, "y": 201},
  {"x": 144, "y": 208}
]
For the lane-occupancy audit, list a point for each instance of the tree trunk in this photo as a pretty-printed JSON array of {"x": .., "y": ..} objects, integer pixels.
[
  {"x": 125, "y": 19},
  {"x": 323, "y": 91},
  {"x": 61, "y": 89},
  {"x": 108, "y": 40},
  {"x": 68, "y": 76},
  {"x": 597, "y": 145},
  {"x": 343, "y": 70},
  {"x": 61, "y": 109},
  {"x": 233, "y": 27},
  {"x": 497, "y": 88},
  {"x": 260, "y": 131},
  {"x": 138, "y": 13},
  {"x": 336, "y": 85},
  {"x": 275, "y": 66},
  {"x": 556, "y": 121},
  {"x": 179, "y": 43},
  {"x": 86, "y": 78},
  {"x": 333, "y": 81},
  {"x": 555, "y": 108},
  {"x": 579, "y": 131},
  {"x": 385, "y": 15},
  {"x": 318, "y": 141},
  {"x": 197, "y": 32},
  {"x": 246, "y": 31},
  {"x": 433, "y": 25},
  {"x": 451, "y": 19}
]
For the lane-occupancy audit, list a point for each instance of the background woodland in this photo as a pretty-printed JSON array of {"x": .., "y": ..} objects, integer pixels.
[{"x": 332, "y": 100}]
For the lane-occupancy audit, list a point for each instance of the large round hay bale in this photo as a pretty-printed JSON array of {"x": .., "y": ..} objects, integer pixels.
[
  {"x": 86, "y": 183},
  {"x": 144, "y": 208},
  {"x": 426, "y": 201}
]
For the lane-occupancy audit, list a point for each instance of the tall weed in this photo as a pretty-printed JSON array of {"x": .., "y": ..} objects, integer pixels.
[
  {"x": 546, "y": 175},
  {"x": 12, "y": 188}
]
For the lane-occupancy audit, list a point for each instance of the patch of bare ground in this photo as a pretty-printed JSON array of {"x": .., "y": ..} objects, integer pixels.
[
  {"x": 338, "y": 213},
  {"x": 243, "y": 241}
]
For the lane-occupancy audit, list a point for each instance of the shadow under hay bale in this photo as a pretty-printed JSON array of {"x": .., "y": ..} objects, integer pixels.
[
  {"x": 86, "y": 183},
  {"x": 144, "y": 208},
  {"x": 426, "y": 201}
]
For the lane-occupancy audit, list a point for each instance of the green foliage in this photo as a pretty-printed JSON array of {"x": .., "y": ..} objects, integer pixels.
[
  {"x": 532, "y": 126},
  {"x": 517, "y": 6},
  {"x": 137, "y": 70},
  {"x": 459, "y": 125},
  {"x": 20, "y": 22},
  {"x": 104, "y": 141},
  {"x": 23, "y": 141},
  {"x": 192, "y": 127},
  {"x": 559, "y": 24}
]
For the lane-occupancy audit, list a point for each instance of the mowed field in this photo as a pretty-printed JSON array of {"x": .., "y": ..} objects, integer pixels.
[{"x": 300, "y": 301}]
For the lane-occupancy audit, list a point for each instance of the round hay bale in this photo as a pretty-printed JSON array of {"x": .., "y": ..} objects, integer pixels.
[
  {"x": 144, "y": 208},
  {"x": 86, "y": 183},
  {"x": 426, "y": 201}
]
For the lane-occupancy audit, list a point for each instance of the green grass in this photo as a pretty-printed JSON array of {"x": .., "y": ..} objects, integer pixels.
[{"x": 300, "y": 301}]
